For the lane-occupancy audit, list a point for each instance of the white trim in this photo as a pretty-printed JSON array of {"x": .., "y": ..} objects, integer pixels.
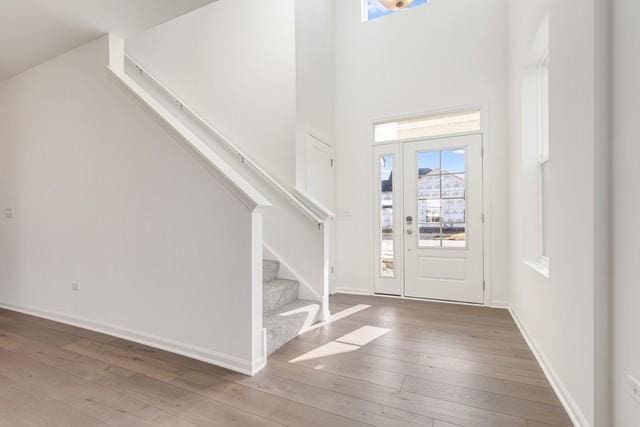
[
  {"x": 352, "y": 291},
  {"x": 567, "y": 401},
  {"x": 487, "y": 217},
  {"x": 485, "y": 113},
  {"x": 427, "y": 138},
  {"x": 499, "y": 304},
  {"x": 258, "y": 347},
  {"x": 234, "y": 363},
  {"x": 541, "y": 265},
  {"x": 319, "y": 137},
  {"x": 116, "y": 53}
]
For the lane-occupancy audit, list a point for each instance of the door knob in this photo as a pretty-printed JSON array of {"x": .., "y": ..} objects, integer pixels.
[
  {"x": 409, "y": 220},
  {"x": 409, "y": 231}
]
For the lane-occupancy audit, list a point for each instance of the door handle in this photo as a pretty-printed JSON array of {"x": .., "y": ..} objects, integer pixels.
[
  {"x": 409, "y": 231},
  {"x": 409, "y": 220}
]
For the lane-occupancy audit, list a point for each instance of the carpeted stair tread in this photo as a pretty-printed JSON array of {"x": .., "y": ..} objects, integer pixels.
[
  {"x": 278, "y": 293},
  {"x": 289, "y": 321}
]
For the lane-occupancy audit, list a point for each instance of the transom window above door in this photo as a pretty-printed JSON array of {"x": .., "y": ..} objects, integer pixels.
[
  {"x": 374, "y": 9},
  {"x": 428, "y": 126}
]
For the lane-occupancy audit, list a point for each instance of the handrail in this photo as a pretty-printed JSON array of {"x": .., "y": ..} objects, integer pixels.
[
  {"x": 243, "y": 157},
  {"x": 307, "y": 198}
]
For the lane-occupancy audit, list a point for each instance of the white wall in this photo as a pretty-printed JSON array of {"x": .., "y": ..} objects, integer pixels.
[
  {"x": 233, "y": 61},
  {"x": 626, "y": 195},
  {"x": 106, "y": 197},
  {"x": 315, "y": 78},
  {"x": 447, "y": 54},
  {"x": 567, "y": 325}
]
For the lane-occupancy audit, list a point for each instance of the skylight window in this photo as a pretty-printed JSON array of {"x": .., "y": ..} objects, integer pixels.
[{"x": 374, "y": 9}]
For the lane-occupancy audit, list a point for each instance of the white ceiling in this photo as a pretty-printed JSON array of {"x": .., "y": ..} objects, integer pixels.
[{"x": 32, "y": 31}]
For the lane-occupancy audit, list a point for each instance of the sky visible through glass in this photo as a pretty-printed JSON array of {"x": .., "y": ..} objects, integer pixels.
[
  {"x": 452, "y": 160},
  {"x": 387, "y": 167},
  {"x": 376, "y": 10}
]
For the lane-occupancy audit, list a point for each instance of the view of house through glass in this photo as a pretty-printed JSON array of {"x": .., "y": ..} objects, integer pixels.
[
  {"x": 441, "y": 198},
  {"x": 386, "y": 216},
  {"x": 374, "y": 9}
]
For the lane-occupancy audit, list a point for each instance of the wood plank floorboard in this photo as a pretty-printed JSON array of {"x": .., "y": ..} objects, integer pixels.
[{"x": 395, "y": 363}]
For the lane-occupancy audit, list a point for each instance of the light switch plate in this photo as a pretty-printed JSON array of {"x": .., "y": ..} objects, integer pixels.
[
  {"x": 8, "y": 213},
  {"x": 634, "y": 385}
]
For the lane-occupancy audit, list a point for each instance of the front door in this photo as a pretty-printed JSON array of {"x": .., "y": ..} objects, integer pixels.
[{"x": 442, "y": 219}]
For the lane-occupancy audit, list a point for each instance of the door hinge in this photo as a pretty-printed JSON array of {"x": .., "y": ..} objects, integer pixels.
[
  {"x": 333, "y": 269},
  {"x": 483, "y": 219},
  {"x": 484, "y": 285},
  {"x": 333, "y": 161},
  {"x": 482, "y": 151}
]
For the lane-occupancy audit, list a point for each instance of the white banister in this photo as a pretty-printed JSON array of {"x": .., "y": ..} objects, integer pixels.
[{"x": 310, "y": 207}]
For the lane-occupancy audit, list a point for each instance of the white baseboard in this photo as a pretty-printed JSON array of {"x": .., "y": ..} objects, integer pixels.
[
  {"x": 194, "y": 352},
  {"x": 569, "y": 404},
  {"x": 352, "y": 291},
  {"x": 499, "y": 304}
]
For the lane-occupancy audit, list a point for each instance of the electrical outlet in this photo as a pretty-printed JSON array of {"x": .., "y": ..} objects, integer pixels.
[
  {"x": 634, "y": 388},
  {"x": 75, "y": 287},
  {"x": 8, "y": 213}
]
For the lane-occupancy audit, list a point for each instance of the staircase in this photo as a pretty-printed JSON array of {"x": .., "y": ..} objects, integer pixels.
[{"x": 285, "y": 316}]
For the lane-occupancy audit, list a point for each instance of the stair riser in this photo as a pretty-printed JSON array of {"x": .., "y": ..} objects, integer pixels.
[
  {"x": 275, "y": 299},
  {"x": 270, "y": 270}
]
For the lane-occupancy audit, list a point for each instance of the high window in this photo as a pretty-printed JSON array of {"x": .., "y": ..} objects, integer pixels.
[
  {"x": 536, "y": 179},
  {"x": 374, "y": 9},
  {"x": 429, "y": 126},
  {"x": 543, "y": 153}
]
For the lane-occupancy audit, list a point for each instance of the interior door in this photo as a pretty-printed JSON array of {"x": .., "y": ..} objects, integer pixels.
[
  {"x": 443, "y": 242},
  {"x": 320, "y": 171}
]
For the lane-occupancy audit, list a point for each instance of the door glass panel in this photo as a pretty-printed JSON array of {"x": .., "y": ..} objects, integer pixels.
[
  {"x": 453, "y": 223},
  {"x": 453, "y": 161},
  {"x": 428, "y": 161},
  {"x": 441, "y": 199},
  {"x": 387, "y": 265},
  {"x": 429, "y": 224}
]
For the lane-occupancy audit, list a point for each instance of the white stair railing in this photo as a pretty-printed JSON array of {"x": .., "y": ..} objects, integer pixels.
[
  {"x": 297, "y": 227},
  {"x": 305, "y": 203}
]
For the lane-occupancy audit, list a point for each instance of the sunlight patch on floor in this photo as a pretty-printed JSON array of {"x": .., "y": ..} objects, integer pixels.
[
  {"x": 340, "y": 315},
  {"x": 363, "y": 336},
  {"x": 330, "y": 349},
  {"x": 345, "y": 344}
]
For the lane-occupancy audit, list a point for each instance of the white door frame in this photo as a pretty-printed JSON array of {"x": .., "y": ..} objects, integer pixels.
[{"x": 487, "y": 224}]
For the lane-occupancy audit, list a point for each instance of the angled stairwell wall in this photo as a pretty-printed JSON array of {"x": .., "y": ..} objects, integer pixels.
[
  {"x": 163, "y": 241},
  {"x": 232, "y": 65}
]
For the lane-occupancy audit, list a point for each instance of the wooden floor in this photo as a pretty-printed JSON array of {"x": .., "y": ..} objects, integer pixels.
[{"x": 394, "y": 363}]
